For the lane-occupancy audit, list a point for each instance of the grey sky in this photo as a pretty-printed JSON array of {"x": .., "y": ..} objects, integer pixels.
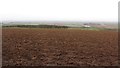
[{"x": 59, "y": 10}]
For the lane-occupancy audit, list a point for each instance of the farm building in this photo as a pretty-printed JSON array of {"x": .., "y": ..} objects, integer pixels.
[{"x": 86, "y": 26}]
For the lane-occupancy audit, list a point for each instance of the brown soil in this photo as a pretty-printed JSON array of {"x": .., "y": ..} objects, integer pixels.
[{"x": 65, "y": 47}]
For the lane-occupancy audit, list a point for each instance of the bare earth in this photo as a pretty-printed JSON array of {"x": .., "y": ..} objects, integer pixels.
[{"x": 65, "y": 47}]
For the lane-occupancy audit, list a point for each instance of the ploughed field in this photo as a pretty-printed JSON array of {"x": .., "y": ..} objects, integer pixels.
[{"x": 64, "y": 47}]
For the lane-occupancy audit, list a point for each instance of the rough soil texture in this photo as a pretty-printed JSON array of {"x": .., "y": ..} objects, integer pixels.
[{"x": 64, "y": 47}]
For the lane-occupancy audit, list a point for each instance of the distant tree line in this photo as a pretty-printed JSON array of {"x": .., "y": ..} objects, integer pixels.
[{"x": 37, "y": 26}]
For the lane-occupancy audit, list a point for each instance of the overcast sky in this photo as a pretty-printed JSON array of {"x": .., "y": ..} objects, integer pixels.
[{"x": 59, "y": 10}]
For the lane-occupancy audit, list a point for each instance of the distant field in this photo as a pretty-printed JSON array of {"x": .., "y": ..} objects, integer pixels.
[
  {"x": 97, "y": 29},
  {"x": 60, "y": 27},
  {"x": 53, "y": 47},
  {"x": 78, "y": 28}
]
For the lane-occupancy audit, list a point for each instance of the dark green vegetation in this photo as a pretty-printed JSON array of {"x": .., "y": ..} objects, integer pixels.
[
  {"x": 57, "y": 26},
  {"x": 37, "y": 26}
]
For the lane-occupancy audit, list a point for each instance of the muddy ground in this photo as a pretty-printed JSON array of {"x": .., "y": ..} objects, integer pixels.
[{"x": 54, "y": 47}]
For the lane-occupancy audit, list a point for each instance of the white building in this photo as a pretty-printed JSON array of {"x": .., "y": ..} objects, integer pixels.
[{"x": 86, "y": 26}]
